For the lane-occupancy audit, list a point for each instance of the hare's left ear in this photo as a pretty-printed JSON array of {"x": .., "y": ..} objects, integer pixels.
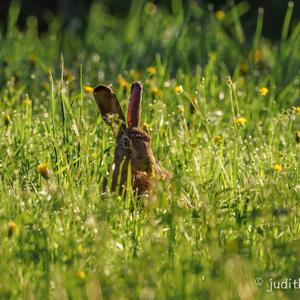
[
  {"x": 134, "y": 108},
  {"x": 108, "y": 103}
]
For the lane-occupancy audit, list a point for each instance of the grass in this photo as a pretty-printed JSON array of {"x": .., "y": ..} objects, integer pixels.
[{"x": 231, "y": 212}]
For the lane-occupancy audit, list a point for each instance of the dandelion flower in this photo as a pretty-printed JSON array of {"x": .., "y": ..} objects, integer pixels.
[
  {"x": 45, "y": 85},
  {"x": 217, "y": 139},
  {"x": 151, "y": 70},
  {"x": 193, "y": 98},
  {"x": 81, "y": 274},
  {"x": 134, "y": 74},
  {"x": 146, "y": 127},
  {"x": 43, "y": 170},
  {"x": 7, "y": 119},
  {"x": 27, "y": 101},
  {"x": 32, "y": 59},
  {"x": 150, "y": 8},
  {"x": 181, "y": 109},
  {"x": 244, "y": 68},
  {"x": 264, "y": 91},
  {"x": 258, "y": 56},
  {"x": 277, "y": 168},
  {"x": 297, "y": 135},
  {"x": 80, "y": 250},
  {"x": 297, "y": 110},
  {"x": 179, "y": 89},
  {"x": 123, "y": 82},
  {"x": 240, "y": 121},
  {"x": 69, "y": 77},
  {"x": 88, "y": 89},
  {"x": 155, "y": 91},
  {"x": 11, "y": 228},
  {"x": 220, "y": 15}
]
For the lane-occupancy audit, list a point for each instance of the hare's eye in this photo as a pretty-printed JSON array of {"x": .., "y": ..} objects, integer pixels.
[{"x": 126, "y": 143}]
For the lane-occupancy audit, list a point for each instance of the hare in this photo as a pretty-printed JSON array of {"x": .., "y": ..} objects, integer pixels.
[{"x": 132, "y": 143}]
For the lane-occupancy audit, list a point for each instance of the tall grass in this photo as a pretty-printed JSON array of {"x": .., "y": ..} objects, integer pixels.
[{"x": 231, "y": 212}]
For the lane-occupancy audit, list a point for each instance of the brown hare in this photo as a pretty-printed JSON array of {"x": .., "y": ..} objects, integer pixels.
[{"x": 132, "y": 143}]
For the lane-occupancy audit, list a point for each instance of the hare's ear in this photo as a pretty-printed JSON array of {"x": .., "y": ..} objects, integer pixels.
[
  {"x": 108, "y": 103},
  {"x": 134, "y": 108}
]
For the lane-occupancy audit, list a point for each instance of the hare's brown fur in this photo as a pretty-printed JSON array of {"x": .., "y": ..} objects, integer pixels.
[
  {"x": 132, "y": 143},
  {"x": 140, "y": 156}
]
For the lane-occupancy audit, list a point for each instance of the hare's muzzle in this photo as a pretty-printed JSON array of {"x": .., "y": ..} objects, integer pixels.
[{"x": 142, "y": 163}]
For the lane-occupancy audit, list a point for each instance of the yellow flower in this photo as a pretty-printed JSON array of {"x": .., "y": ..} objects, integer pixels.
[
  {"x": 45, "y": 85},
  {"x": 240, "y": 121},
  {"x": 150, "y": 8},
  {"x": 297, "y": 135},
  {"x": 155, "y": 91},
  {"x": 220, "y": 15},
  {"x": 94, "y": 155},
  {"x": 81, "y": 274},
  {"x": 7, "y": 119},
  {"x": 27, "y": 101},
  {"x": 277, "y": 168},
  {"x": 88, "y": 89},
  {"x": 123, "y": 83},
  {"x": 244, "y": 68},
  {"x": 179, "y": 89},
  {"x": 181, "y": 109},
  {"x": 258, "y": 56},
  {"x": 217, "y": 139},
  {"x": 11, "y": 228},
  {"x": 32, "y": 59},
  {"x": 69, "y": 76},
  {"x": 43, "y": 170},
  {"x": 297, "y": 110},
  {"x": 146, "y": 127},
  {"x": 134, "y": 74},
  {"x": 151, "y": 70},
  {"x": 264, "y": 91},
  {"x": 80, "y": 250}
]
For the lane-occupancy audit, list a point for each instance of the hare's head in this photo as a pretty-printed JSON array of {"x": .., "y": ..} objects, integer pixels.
[
  {"x": 135, "y": 145},
  {"x": 132, "y": 142}
]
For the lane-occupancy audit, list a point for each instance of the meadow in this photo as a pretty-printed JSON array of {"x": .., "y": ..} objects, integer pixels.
[{"x": 223, "y": 112}]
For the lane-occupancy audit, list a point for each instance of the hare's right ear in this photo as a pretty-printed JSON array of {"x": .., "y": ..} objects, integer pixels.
[
  {"x": 134, "y": 108},
  {"x": 108, "y": 103}
]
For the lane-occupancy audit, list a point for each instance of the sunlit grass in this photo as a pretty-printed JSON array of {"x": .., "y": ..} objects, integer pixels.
[{"x": 223, "y": 115}]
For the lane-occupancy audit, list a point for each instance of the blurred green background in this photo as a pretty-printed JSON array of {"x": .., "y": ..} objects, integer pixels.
[
  {"x": 221, "y": 102},
  {"x": 75, "y": 13},
  {"x": 134, "y": 34}
]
